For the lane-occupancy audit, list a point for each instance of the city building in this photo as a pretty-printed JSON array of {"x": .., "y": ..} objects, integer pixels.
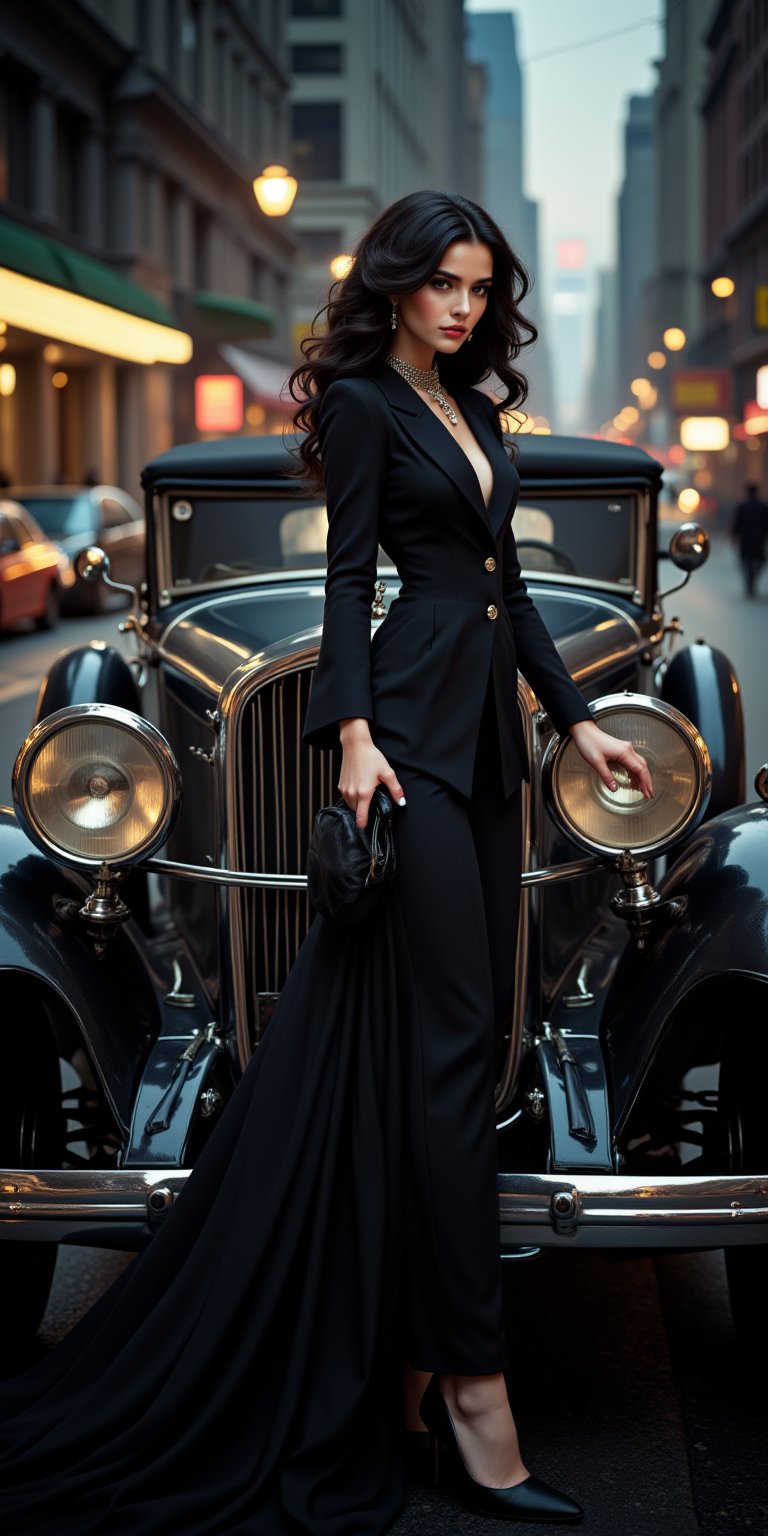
[
  {"x": 636, "y": 242},
  {"x": 492, "y": 42},
  {"x": 379, "y": 109},
  {"x": 734, "y": 333},
  {"x": 131, "y": 245}
]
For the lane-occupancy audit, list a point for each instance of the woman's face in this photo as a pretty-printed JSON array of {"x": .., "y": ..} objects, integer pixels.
[{"x": 455, "y": 295}]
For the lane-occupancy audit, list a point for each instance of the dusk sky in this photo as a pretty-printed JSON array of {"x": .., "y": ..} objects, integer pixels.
[{"x": 575, "y": 103}]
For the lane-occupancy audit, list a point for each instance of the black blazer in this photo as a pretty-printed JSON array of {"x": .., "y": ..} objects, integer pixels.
[{"x": 395, "y": 476}]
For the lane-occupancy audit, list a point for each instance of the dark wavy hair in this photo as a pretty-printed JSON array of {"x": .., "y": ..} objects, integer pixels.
[{"x": 398, "y": 254}]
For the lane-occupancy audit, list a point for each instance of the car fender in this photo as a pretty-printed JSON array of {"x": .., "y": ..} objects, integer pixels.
[
  {"x": 88, "y": 674},
  {"x": 723, "y": 875},
  {"x": 111, "y": 997},
  {"x": 701, "y": 682}
]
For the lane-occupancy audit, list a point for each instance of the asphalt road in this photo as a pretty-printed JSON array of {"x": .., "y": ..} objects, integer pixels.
[
  {"x": 25, "y": 657},
  {"x": 629, "y": 1386}
]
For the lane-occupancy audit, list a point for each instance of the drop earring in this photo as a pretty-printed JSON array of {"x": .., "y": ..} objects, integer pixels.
[
  {"x": 394, "y": 317},
  {"x": 471, "y": 334}
]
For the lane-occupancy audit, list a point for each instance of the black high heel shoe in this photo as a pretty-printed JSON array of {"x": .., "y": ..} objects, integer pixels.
[{"x": 529, "y": 1500}]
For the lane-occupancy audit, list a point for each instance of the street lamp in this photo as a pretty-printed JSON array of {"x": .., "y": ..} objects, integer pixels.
[
  {"x": 275, "y": 190},
  {"x": 674, "y": 338}
]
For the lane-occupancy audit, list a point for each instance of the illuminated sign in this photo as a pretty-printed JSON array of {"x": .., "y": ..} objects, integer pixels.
[
  {"x": 571, "y": 255},
  {"x": 218, "y": 402},
  {"x": 704, "y": 391},
  {"x": 704, "y": 434}
]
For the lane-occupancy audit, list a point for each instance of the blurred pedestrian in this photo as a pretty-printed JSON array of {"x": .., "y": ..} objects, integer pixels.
[{"x": 750, "y": 529}]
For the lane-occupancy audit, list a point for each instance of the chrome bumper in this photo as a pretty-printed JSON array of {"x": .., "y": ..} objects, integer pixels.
[
  {"x": 596, "y": 1210},
  {"x": 537, "y": 1209}
]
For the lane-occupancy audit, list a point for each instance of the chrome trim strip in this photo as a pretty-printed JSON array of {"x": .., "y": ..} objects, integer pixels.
[
  {"x": 258, "y": 880},
  {"x": 608, "y": 1209}
]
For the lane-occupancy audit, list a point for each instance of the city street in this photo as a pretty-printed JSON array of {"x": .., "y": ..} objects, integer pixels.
[
  {"x": 629, "y": 1386},
  {"x": 279, "y": 280}
]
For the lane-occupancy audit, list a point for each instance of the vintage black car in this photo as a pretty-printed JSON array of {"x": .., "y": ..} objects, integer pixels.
[{"x": 137, "y": 983}]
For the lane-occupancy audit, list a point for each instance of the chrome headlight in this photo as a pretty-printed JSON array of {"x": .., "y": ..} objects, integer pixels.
[
  {"x": 95, "y": 784},
  {"x": 610, "y": 823}
]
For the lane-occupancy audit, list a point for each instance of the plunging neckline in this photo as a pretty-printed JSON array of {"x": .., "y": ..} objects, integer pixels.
[{"x": 463, "y": 451}]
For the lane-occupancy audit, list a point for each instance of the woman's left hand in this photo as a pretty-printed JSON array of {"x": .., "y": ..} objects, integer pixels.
[{"x": 601, "y": 750}]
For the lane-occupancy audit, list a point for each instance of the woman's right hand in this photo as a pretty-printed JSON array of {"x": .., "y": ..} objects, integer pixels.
[{"x": 363, "y": 766}]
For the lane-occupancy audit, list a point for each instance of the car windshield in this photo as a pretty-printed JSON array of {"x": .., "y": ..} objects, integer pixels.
[
  {"x": 216, "y": 539},
  {"x": 61, "y": 516}
]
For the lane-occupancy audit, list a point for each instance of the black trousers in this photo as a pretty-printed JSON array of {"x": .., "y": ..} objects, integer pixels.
[{"x": 458, "y": 886}]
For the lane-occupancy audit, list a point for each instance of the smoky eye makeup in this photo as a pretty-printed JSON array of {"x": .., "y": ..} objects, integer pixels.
[{"x": 485, "y": 287}]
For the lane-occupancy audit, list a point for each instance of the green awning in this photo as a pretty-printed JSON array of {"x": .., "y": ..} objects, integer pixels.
[
  {"x": 37, "y": 256},
  {"x": 232, "y": 319}
]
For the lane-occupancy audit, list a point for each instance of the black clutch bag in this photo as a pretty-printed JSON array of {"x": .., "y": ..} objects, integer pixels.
[{"x": 349, "y": 867}]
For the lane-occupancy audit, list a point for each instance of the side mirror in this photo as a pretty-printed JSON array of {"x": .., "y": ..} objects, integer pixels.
[
  {"x": 689, "y": 547},
  {"x": 92, "y": 564},
  {"x": 688, "y": 550}
]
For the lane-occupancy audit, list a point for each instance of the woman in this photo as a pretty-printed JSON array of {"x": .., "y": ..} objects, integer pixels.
[
  {"x": 243, "y": 1377},
  {"x": 412, "y": 458}
]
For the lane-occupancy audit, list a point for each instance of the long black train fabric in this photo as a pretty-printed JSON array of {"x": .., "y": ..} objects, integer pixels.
[{"x": 243, "y": 1376}]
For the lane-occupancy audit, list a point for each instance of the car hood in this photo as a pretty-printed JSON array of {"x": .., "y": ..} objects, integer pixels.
[{"x": 209, "y": 640}]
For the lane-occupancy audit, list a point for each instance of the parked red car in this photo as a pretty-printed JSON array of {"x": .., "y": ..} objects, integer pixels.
[{"x": 34, "y": 572}]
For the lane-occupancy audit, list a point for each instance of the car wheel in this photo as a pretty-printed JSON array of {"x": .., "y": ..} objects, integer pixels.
[
  {"x": 31, "y": 1136},
  {"x": 51, "y": 613},
  {"x": 747, "y": 1152}
]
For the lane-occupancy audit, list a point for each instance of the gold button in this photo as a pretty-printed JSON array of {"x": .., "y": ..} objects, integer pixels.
[
  {"x": 492, "y": 611},
  {"x": 490, "y": 564}
]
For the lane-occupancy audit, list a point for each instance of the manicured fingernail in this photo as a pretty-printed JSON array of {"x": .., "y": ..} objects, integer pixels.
[
  {"x": 613, "y": 784},
  {"x": 401, "y": 801}
]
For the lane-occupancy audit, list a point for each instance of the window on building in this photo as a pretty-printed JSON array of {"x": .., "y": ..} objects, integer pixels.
[
  {"x": 316, "y": 59},
  {"x": 257, "y": 277},
  {"x": 16, "y": 161},
  {"x": 171, "y": 36},
  {"x": 190, "y": 48},
  {"x": 237, "y": 107},
  {"x": 253, "y": 109},
  {"x": 222, "y": 68},
  {"x": 70, "y": 144},
  {"x": 319, "y": 245},
  {"x": 202, "y": 248},
  {"x": 316, "y": 135},
  {"x": 316, "y": 8}
]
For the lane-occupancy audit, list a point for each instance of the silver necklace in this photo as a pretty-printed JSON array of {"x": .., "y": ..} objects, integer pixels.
[{"x": 427, "y": 379}]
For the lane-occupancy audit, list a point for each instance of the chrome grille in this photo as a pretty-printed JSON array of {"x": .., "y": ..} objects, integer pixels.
[
  {"x": 280, "y": 783},
  {"x": 273, "y": 785}
]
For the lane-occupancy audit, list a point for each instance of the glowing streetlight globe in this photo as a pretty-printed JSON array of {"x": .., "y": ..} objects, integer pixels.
[
  {"x": 674, "y": 339},
  {"x": 275, "y": 190},
  {"x": 722, "y": 287}
]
